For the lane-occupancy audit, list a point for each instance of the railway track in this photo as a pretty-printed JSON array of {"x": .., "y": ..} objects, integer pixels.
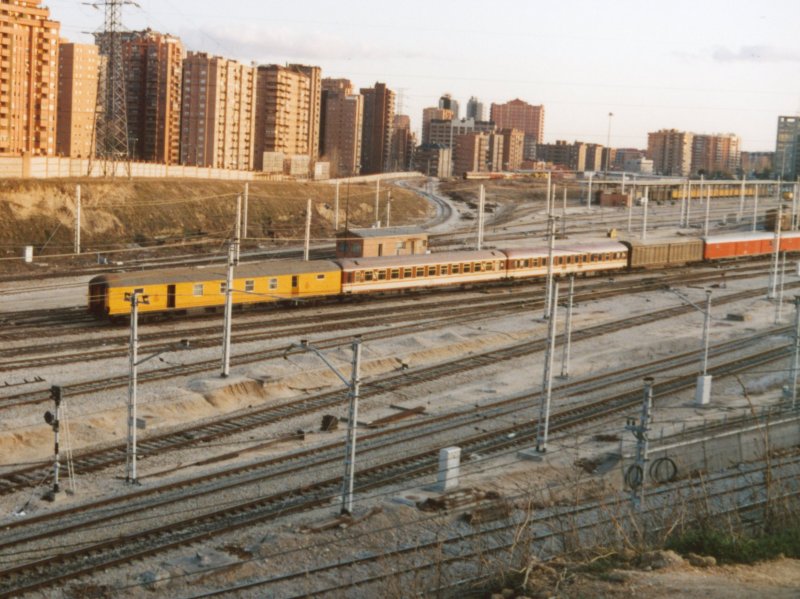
[
  {"x": 430, "y": 557},
  {"x": 227, "y": 426},
  {"x": 208, "y": 336},
  {"x": 45, "y": 572}
]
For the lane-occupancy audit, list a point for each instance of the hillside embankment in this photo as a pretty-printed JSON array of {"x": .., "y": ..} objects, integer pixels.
[{"x": 124, "y": 214}]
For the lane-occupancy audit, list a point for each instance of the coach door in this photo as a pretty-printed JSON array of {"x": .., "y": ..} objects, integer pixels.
[
  {"x": 170, "y": 296},
  {"x": 295, "y": 285}
]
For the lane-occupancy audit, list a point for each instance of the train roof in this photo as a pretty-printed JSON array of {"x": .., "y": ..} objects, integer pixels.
[
  {"x": 420, "y": 259},
  {"x": 562, "y": 248},
  {"x": 265, "y": 268},
  {"x": 748, "y": 236},
  {"x": 661, "y": 240}
]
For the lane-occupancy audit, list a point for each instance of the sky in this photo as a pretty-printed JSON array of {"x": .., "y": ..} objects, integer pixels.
[{"x": 706, "y": 66}]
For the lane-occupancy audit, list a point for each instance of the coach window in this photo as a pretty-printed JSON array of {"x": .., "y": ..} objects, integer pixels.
[
  {"x": 455, "y": 269},
  {"x": 367, "y": 275},
  {"x": 488, "y": 266},
  {"x": 408, "y": 273},
  {"x": 273, "y": 284},
  {"x": 467, "y": 267},
  {"x": 249, "y": 285},
  {"x": 420, "y": 271},
  {"x": 395, "y": 273},
  {"x": 431, "y": 271},
  {"x": 476, "y": 267},
  {"x": 381, "y": 275},
  {"x": 444, "y": 269},
  {"x": 197, "y": 290}
]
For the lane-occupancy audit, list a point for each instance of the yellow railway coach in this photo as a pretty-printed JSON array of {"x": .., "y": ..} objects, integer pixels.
[{"x": 186, "y": 289}]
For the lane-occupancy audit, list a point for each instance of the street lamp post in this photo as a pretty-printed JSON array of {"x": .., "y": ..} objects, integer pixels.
[
  {"x": 353, "y": 385},
  {"x": 136, "y": 298},
  {"x": 703, "y": 390}
]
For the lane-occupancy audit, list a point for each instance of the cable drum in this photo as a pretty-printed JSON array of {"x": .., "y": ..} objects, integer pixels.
[
  {"x": 663, "y": 470},
  {"x": 634, "y": 476}
]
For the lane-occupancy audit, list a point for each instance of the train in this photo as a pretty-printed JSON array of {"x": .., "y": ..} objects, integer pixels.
[{"x": 183, "y": 290}]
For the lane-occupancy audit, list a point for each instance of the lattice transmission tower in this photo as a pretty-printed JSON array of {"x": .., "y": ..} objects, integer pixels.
[{"x": 111, "y": 118}]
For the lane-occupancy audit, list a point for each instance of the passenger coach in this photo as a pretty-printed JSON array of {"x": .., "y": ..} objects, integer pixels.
[
  {"x": 366, "y": 275},
  {"x": 568, "y": 258}
]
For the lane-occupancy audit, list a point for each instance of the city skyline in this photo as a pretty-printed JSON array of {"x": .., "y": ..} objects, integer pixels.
[{"x": 711, "y": 67}]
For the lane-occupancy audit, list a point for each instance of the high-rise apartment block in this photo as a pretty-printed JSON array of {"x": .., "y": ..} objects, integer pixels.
[
  {"x": 153, "y": 66},
  {"x": 287, "y": 111},
  {"x": 218, "y": 112},
  {"x": 513, "y": 147},
  {"x": 716, "y": 154},
  {"x": 431, "y": 114},
  {"x": 787, "y": 148},
  {"x": 377, "y": 130},
  {"x": 517, "y": 114},
  {"x": 475, "y": 109},
  {"x": 445, "y": 131},
  {"x": 342, "y": 117},
  {"x": 28, "y": 78},
  {"x": 314, "y": 116},
  {"x": 477, "y": 152},
  {"x": 446, "y": 102},
  {"x": 671, "y": 152},
  {"x": 403, "y": 143},
  {"x": 78, "y": 71}
]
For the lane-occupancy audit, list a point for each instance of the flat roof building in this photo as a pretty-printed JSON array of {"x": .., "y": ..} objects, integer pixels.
[
  {"x": 517, "y": 114},
  {"x": 78, "y": 71},
  {"x": 28, "y": 78},
  {"x": 388, "y": 241},
  {"x": 376, "y": 133},
  {"x": 218, "y": 112},
  {"x": 787, "y": 148},
  {"x": 341, "y": 127}
]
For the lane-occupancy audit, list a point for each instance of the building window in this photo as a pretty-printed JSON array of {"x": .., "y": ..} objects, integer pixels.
[
  {"x": 320, "y": 277},
  {"x": 249, "y": 285},
  {"x": 197, "y": 289},
  {"x": 222, "y": 287},
  {"x": 273, "y": 284}
]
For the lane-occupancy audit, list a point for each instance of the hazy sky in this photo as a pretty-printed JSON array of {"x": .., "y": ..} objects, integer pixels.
[{"x": 706, "y": 66}]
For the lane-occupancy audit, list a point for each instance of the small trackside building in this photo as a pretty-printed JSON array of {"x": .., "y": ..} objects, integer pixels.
[{"x": 374, "y": 243}]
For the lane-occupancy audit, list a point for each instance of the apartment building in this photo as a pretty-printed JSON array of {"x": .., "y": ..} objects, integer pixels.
[
  {"x": 28, "y": 78},
  {"x": 787, "y": 148},
  {"x": 430, "y": 114},
  {"x": 570, "y": 156},
  {"x": 443, "y": 131},
  {"x": 517, "y": 114},
  {"x": 433, "y": 160},
  {"x": 376, "y": 134},
  {"x": 716, "y": 154},
  {"x": 153, "y": 70},
  {"x": 314, "y": 114},
  {"x": 671, "y": 152},
  {"x": 475, "y": 109},
  {"x": 446, "y": 102},
  {"x": 477, "y": 152},
  {"x": 403, "y": 144},
  {"x": 513, "y": 148},
  {"x": 218, "y": 112},
  {"x": 283, "y": 105},
  {"x": 341, "y": 122},
  {"x": 78, "y": 71}
]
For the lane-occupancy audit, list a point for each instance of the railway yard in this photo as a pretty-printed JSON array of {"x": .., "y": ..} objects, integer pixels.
[{"x": 240, "y": 478}]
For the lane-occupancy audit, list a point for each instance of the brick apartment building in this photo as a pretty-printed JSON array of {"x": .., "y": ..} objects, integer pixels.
[
  {"x": 78, "y": 71},
  {"x": 376, "y": 135},
  {"x": 28, "y": 96},
  {"x": 153, "y": 65},
  {"x": 218, "y": 112},
  {"x": 517, "y": 114},
  {"x": 340, "y": 127}
]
